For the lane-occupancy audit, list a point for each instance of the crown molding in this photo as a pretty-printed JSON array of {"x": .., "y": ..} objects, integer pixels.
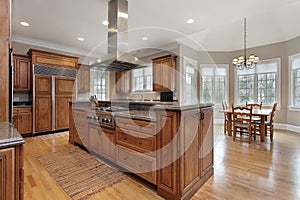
[{"x": 51, "y": 45}]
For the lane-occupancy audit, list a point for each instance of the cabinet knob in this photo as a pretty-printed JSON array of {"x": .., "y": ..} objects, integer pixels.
[{"x": 140, "y": 143}]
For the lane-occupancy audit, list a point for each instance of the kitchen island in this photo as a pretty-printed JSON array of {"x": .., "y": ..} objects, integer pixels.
[
  {"x": 168, "y": 144},
  {"x": 11, "y": 162}
]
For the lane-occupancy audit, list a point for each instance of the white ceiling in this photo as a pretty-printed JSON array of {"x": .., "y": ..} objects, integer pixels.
[{"x": 218, "y": 24}]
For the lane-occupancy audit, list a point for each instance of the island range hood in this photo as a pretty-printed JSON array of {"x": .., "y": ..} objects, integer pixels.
[{"x": 118, "y": 58}]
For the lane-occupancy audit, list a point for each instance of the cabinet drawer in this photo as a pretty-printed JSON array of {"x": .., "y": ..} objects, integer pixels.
[
  {"x": 137, "y": 141},
  {"x": 142, "y": 165},
  {"x": 22, "y": 110},
  {"x": 136, "y": 125}
]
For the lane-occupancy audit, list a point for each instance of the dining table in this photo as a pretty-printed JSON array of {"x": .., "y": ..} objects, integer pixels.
[{"x": 261, "y": 113}]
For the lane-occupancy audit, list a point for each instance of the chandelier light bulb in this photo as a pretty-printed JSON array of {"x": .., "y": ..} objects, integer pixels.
[{"x": 242, "y": 62}]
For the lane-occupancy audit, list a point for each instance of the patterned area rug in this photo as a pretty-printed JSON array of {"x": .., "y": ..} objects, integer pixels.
[
  {"x": 51, "y": 136},
  {"x": 80, "y": 174}
]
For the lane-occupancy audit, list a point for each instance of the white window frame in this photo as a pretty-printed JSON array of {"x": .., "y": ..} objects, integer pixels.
[
  {"x": 107, "y": 87},
  {"x": 291, "y": 105},
  {"x": 192, "y": 63},
  {"x": 278, "y": 83},
  {"x": 133, "y": 80},
  {"x": 215, "y": 67}
]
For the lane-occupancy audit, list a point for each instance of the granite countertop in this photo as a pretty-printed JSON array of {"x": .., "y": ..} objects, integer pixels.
[
  {"x": 182, "y": 106},
  {"x": 9, "y": 136}
]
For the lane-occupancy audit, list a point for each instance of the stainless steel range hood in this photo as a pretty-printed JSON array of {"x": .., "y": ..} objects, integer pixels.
[{"x": 118, "y": 58}]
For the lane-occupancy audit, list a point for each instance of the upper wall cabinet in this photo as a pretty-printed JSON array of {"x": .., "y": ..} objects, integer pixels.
[
  {"x": 83, "y": 78},
  {"x": 22, "y": 73},
  {"x": 164, "y": 69},
  {"x": 123, "y": 82},
  {"x": 53, "y": 59}
]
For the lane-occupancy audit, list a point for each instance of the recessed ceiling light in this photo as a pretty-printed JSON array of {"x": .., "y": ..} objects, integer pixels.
[
  {"x": 105, "y": 22},
  {"x": 24, "y": 23},
  {"x": 144, "y": 38},
  {"x": 190, "y": 21},
  {"x": 99, "y": 60},
  {"x": 81, "y": 39}
]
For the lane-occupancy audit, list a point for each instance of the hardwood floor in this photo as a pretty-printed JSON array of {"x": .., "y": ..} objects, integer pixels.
[{"x": 260, "y": 170}]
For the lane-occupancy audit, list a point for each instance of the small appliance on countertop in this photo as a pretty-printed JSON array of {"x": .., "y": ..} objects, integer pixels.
[{"x": 166, "y": 96}]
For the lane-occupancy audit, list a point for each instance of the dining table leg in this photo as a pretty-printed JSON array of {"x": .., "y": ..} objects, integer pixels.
[
  {"x": 229, "y": 124},
  {"x": 262, "y": 128}
]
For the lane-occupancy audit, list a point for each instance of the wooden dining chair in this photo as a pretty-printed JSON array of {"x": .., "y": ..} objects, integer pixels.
[
  {"x": 254, "y": 105},
  {"x": 242, "y": 122},
  {"x": 268, "y": 125},
  {"x": 225, "y": 107}
]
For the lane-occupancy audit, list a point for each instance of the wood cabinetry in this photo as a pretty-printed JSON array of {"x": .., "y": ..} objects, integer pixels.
[
  {"x": 164, "y": 73},
  {"x": 43, "y": 103},
  {"x": 78, "y": 127},
  {"x": 136, "y": 147},
  {"x": 83, "y": 78},
  {"x": 22, "y": 119},
  {"x": 188, "y": 144},
  {"x": 53, "y": 59},
  {"x": 102, "y": 141},
  {"x": 11, "y": 173},
  {"x": 64, "y": 88},
  {"x": 22, "y": 73},
  {"x": 123, "y": 82}
]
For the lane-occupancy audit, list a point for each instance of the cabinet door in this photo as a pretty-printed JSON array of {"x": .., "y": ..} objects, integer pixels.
[
  {"x": 164, "y": 69},
  {"x": 107, "y": 144},
  {"x": 43, "y": 84},
  {"x": 61, "y": 111},
  {"x": 123, "y": 82},
  {"x": 157, "y": 76},
  {"x": 7, "y": 174},
  {"x": 43, "y": 113},
  {"x": 94, "y": 138},
  {"x": 22, "y": 73},
  {"x": 64, "y": 85},
  {"x": 24, "y": 123},
  {"x": 83, "y": 79},
  {"x": 190, "y": 139},
  {"x": 206, "y": 134}
]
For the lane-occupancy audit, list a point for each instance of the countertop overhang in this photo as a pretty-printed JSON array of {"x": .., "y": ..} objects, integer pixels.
[{"x": 9, "y": 136}]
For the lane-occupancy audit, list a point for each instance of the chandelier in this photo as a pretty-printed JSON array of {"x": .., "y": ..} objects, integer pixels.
[{"x": 242, "y": 62}]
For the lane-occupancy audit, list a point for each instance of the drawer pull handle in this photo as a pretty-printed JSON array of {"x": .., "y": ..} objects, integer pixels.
[
  {"x": 140, "y": 143},
  {"x": 140, "y": 166},
  {"x": 125, "y": 158},
  {"x": 125, "y": 138}
]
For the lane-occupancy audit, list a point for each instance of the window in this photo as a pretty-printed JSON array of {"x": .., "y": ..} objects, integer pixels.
[
  {"x": 295, "y": 80},
  {"x": 259, "y": 84},
  {"x": 214, "y": 83},
  {"x": 99, "y": 83},
  {"x": 190, "y": 85},
  {"x": 142, "y": 79}
]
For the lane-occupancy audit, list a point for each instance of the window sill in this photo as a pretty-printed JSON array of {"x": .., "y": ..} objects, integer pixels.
[{"x": 296, "y": 109}]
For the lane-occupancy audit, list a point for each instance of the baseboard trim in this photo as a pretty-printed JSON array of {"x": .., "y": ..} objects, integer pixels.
[{"x": 287, "y": 127}]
